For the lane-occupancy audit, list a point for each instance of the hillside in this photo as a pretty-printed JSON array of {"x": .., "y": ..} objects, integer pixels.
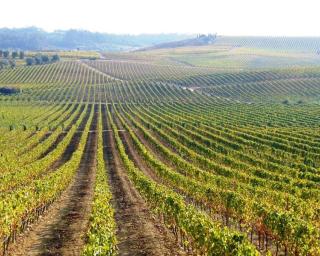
[
  {"x": 293, "y": 44},
  {"x": 153, "y": 153},
  {"x": 200, "y": 40}
]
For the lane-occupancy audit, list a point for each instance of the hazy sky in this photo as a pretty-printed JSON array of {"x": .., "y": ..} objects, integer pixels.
[{"x": 226, "y": 17}]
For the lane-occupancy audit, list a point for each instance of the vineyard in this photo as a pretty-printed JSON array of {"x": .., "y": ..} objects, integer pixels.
[{"x": 145, "y": 154}]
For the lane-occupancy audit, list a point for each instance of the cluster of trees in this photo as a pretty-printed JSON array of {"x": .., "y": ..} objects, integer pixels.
[
  {"x": 7, "y": 63},
  {"x": 42, "y": 59},
  {"x": 14, "y": 54},
  {"x": 7, "y": 58}
]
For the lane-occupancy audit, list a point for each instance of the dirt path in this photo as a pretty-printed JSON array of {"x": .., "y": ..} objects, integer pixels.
[
  {"x": 61, "y": 230},
  {"x": 138, "y": 231},
  {"x": 101, "y": 72},
  {"x": 133, "y": 154}
]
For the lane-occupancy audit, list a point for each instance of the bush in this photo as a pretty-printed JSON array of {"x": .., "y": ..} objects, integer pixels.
[
  {"x": 286, "y": 102},
  {"x": 8, "y": 90}
]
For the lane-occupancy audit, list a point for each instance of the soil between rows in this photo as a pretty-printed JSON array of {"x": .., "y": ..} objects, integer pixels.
[
  {"x": 138, "y": 231},
  {"x": 62, "y": 228}
]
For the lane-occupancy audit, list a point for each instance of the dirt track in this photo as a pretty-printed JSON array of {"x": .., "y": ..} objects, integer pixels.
[
  {"x": 138, "y": 231},
  {"x": 61, "y": 230}
]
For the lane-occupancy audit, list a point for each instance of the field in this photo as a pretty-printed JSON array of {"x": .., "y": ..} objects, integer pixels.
[{"x": 194, "y": 151}]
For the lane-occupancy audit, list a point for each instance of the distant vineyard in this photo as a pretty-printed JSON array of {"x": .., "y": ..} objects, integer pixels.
[{"x": 67, "y": 54}]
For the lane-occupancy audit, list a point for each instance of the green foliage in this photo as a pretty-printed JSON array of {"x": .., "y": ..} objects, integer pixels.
[
  {"x": 206, "y": 235},
  {"x": 29, "y": 61},
  {"x": 101, "y": 237},
  {"x": 55, "y": 58},
  {"x": 6, "y": 54},
  {"x": 229, "y": 157},
  {"x": 14, "y": 54},
  {"x": 21, "y": 55}
]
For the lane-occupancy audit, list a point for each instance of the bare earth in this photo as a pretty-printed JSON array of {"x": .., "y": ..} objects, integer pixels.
[{"x": 61, "y": 230}]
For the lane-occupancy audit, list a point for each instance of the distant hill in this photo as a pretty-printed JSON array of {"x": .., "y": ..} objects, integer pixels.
[
  {"x": 200, "y": 40},
  {"x": 34, "y": 38},
  {"x": 295, "y": 44}
]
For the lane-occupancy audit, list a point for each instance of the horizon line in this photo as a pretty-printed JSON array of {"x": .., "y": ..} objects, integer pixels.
[{"x": 159, "y": 33}]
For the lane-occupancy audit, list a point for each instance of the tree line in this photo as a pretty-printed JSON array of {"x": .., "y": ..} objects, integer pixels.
[
  {"x": 7, "y": 58},
  {"x": 42, "y": 59},
  {"x": 14, "y": 54},
  {"x": 35, "y": 39}
]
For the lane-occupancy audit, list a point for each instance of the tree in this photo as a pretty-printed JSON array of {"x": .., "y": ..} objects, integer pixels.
[
  {"x": 44, "y": 58},
  {"x": 21, "y": 55},
  {"x": 38, "y": 60},
  {"x": 12, "y": 63},
  {"x": 1, "y": 53},
  {"x": 29, "y": 61},
  {"x": 6, "y": 54},
  {"x": 55, "y": 58},
  {"x": 3, "y": 63},
  {"x": 14, "y": 55}
]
